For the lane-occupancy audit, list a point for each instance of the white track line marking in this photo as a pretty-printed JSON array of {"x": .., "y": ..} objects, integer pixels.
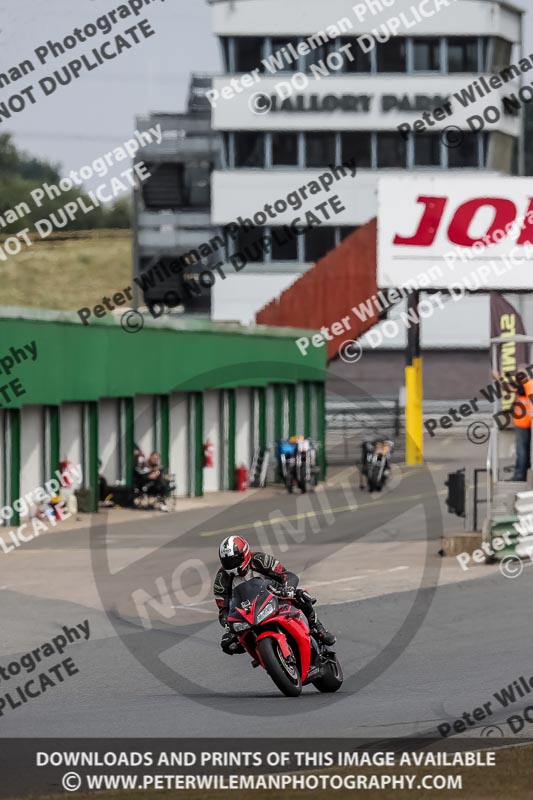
[{"x": 367, "y": 574}]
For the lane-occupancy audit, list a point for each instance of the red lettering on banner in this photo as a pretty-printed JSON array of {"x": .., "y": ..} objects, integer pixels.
[
  {"x": 504, "y": 213},
  {"x": 526, "y": 233},
  {"x": 429, "y": 224}
]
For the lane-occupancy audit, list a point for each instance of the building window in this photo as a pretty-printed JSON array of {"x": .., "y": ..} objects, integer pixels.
[
  {"x": 285, "y": 149},
  {"x": 248, "y": 53},
  {"x": 485, "y": 54},
  {"x": 319, "y": 149},
  {"x": 319, "y": 240},
  {"x": 284, "y": 244},
  {"x": 284, "y": 60},
  {"x": 225, "y": 45},
  {"x": 427, "y": 150},
  {"x": 317, "y": 54},
  {"x": 426, "y": 55},
  {"x": 391, "y": 56},
  {"x": 347, "y": 230},
  {"x": 501, "y": 55},
  {"x": 226, "y": 148},
  {"x": 392, "y": 151},
  {"x": 249, "y": 244},
  {"x": 361, "y": 60},
  {"x": 358, "y": 145},
  {"x": 249, "y": 149},
  {"x": 165, "y": 188},
  {"x": 467, "y": 155},
  {"x": 463, "y": 54},
  {"x": 197, "y": 185}
]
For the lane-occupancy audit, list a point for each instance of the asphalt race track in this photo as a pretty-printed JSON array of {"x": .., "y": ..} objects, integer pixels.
[{"x": 414, "y": 655}]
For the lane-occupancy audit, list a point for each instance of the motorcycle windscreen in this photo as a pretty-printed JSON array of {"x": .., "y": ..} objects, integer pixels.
[{"x": 246, "y": 592}]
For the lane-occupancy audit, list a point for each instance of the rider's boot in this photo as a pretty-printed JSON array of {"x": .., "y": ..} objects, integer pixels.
[{"x": 323, "y": 634}]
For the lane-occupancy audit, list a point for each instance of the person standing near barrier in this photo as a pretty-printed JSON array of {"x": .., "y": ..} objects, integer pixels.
[{"x": 522, "y": 414}]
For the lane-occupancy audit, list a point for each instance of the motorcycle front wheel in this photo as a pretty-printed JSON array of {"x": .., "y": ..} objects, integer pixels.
[{"x": 284, "y": 674}]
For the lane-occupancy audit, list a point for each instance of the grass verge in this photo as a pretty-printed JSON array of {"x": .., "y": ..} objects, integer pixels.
[{"x": 67, "y": 274}]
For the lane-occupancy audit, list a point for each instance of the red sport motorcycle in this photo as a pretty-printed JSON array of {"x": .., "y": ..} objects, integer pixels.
[{"x": 276, "y": 634}]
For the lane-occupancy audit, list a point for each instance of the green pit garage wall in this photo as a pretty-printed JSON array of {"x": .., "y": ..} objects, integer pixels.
[{"x": 95, "y": 390}]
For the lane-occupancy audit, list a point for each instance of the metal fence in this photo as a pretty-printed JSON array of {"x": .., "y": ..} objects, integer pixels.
[{"x": 348, "y": 424}]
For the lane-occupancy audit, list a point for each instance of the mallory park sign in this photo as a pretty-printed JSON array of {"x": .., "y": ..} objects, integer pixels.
[{"x": 350, "y": 102}]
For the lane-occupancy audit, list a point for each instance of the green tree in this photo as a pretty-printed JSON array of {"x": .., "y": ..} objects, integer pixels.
[{"x": 21, "y": 173}]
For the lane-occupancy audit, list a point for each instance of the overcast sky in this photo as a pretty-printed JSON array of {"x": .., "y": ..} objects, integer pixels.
[{"x": 96, "y": 112}]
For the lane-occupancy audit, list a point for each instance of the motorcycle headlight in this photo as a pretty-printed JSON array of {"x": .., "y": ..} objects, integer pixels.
[
  {"x": 266, "y": 612},
  {"x": 240, "y": 626}
]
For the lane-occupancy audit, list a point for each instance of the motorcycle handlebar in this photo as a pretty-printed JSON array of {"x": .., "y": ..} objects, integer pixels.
[{"x": 281, "y": 591}]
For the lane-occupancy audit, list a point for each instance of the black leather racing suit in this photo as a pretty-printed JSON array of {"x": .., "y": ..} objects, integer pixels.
[{"x": 267, "y": 566}]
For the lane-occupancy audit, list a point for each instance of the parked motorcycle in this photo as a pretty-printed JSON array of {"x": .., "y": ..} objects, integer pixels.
[
  {"x": 298, "y": 465},
  {"x": 375, "y": 466},
  {"x": 276, "y": 635},
  {"x": 288, "y": 470}
]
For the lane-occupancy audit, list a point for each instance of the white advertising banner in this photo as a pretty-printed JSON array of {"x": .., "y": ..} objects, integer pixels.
[
  {"x": 445, "y": 232},
  {"x": 330, "y": 101}
]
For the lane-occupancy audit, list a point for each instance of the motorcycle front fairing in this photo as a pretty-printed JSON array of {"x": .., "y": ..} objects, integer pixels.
[{"x": 255, "y": 610}]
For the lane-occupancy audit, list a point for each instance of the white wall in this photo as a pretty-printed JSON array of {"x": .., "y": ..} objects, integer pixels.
[
  {"x": 240, "y": 296},
  {"x": 70, "y": 433},
  {"x": 178, "y": 449},
  {"x": 212, "y": 432},
  {"x": 304, "y": 17},
  {"x": 108, "y": 438},
  {"x": 243, "y": 433},
  {"x": 31, "y": 449},
  {"x": 144, "y": 422},
  {"x": 245, "y": 192},
  {"x": 465, "y": 323}
]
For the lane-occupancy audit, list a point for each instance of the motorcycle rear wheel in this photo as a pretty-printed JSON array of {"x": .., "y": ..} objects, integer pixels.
[
  {"x": 285, "y": 676},
  {"x": 332, "y": 680}
]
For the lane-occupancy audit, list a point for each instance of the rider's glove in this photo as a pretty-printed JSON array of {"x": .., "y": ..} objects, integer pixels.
[
  {"x": 230, "y": 643},
  {"x": 304, "y": 596}
]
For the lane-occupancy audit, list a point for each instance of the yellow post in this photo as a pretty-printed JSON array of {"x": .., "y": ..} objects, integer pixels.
[
  {"x": 414, "y": 444},
  {"x": 417, "y": 363},
  {"x": 414, "y": 432}
]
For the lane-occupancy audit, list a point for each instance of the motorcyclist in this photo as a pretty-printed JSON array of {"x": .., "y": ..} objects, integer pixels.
[{"x": 239, "y": 564}]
